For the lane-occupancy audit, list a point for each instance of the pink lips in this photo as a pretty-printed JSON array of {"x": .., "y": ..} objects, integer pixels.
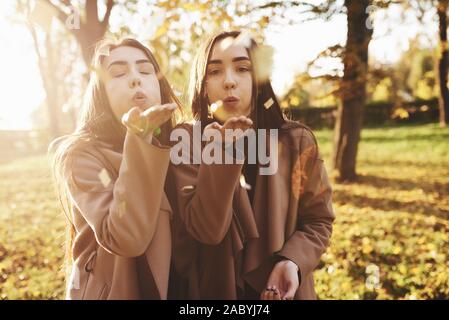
[
  {"x": 231, "y": 101},
  {"x": 139, "y": 98}
]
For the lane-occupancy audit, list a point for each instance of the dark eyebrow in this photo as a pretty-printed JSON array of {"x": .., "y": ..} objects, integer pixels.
[
  {"x": 237, "y": 59},
  {"x": 241, "y": 59},
  {"x": 118, "y": 62},
  {"x": 143, "y": 61},
  {"x": 124, "y": 63}
]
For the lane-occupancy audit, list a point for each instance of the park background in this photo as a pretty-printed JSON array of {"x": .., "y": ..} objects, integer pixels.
[{"x": 369, "y": 76}]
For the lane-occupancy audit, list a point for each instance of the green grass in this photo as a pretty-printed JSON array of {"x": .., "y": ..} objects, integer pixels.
[
  {"x": 395, "y": 216},
  {"x": 31, "y": 232}
]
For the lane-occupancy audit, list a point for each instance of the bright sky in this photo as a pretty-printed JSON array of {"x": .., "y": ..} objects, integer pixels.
[{"x": 22, "y": 92}]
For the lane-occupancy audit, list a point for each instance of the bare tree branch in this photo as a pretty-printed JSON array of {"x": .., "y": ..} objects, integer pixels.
[{"x": 107, "y": 15}]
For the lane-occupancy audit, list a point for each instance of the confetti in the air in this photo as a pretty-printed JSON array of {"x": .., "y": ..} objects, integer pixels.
[
  {"x": 263, "y": 61},
  {"x": 226, "y": 43},
  {"x": 121, "y": 209},
  {"x": 215, "y": 106},
  {"x": 243, "y": 183},
  {"x": 188, "y": 188},
  {"x": 268, "y": 103},
  {"x": 244, "y": 39},
  {"x": 104, "y": 177},
  {"x": 218, "y": 112}
]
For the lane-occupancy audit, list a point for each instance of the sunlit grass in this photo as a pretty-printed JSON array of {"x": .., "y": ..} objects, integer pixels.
[{"x": 395, "y": 216}]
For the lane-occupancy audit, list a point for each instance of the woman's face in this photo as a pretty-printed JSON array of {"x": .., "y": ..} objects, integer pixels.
[
  {"x": 229, "y": 79},
  {"x": 131, "y": 80}
]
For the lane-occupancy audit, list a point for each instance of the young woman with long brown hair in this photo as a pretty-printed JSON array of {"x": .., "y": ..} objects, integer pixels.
[
  {"x": 110, "y": 175},
  {"x": 237, "y": 233}
]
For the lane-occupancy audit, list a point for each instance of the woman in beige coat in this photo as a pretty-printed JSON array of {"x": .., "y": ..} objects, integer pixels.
[
  {"x": 238, "y": 234},
  {"x": 111, "y": 173}
]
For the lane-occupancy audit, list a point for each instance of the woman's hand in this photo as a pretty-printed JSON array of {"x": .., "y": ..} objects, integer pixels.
[
  {"x": 234, "y": 123},
  {"x": 283, "y": 282},
  {"x": 143, "y": 123}
]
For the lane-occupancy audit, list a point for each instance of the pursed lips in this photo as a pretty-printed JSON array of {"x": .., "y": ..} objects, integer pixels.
[{"x": 139, "y": 98}]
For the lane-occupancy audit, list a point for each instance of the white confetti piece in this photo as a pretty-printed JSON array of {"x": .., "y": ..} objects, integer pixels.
[
  {"x": 268, "y": 103},
  {"x": 104, "y": 177},
  {"x": 244, "y": 39},
  {"x": 121, "y": 209},
  {"x": 75, "y": 278},
  {"x": 226, "y": 43},
  {"x": 243, "y": 183},
  {"x": 188, "y": 188},
  {"x": 263, "y": 62},
  {"x": 215, "y": 106}
]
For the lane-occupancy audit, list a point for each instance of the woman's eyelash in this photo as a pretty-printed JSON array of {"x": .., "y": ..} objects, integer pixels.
[{"x": 244, "y": 68}]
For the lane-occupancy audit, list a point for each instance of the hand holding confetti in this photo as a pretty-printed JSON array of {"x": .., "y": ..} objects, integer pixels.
[
  {"x": 149, "y": 121},
  {"x": 234, "y": 123}
]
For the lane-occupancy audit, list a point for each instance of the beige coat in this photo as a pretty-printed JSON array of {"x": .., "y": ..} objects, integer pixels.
[
  {"x": 120, "y": 213},
  {"x": 221, "y": 240}
]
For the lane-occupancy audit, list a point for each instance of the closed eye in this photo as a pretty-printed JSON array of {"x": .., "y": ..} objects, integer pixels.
[{"x": 214, "y": 72}]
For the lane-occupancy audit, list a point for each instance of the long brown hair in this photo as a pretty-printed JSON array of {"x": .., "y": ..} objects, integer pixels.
[
  {"x": 98, "y": 125},
  {"x": 265, "y": 118}
]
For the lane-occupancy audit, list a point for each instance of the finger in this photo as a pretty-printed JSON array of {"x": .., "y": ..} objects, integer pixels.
[
  {"x": 263, "y": 295},
  {"x": 245, "y": 122},
  {"x": 291, "y": 290},
  {"x": 230, "y": 122},
  {"x": 132, "y": 115},
  {"x": 170, "y": 106},
  {"x": 213, "y": 125},
  {"x": 242, "y": 118},
  {"x": 267, "y": 293},
  {"x": 276, "y": 295}
]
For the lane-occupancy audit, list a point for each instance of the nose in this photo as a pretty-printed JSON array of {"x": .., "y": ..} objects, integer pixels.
[
  {"x": 134, "y": 82},
  {"x": 229, "y": 82}
]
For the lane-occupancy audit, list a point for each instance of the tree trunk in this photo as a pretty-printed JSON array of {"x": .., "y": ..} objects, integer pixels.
[
  {"x": 443, "y": 63},
  {"x": 91, "y": 29},
  {"x": 46, "y": 68},
  {"x": 352, "y": 90}
]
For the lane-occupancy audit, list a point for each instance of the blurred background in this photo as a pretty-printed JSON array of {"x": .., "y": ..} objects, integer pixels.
[{"x": 369, "y": 76}]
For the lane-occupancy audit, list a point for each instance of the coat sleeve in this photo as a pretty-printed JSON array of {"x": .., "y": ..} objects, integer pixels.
[
  {"x": 315, "y": 212},
  {"x": 204, "y": 196},
  {"x": 123, "y": 214}
]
